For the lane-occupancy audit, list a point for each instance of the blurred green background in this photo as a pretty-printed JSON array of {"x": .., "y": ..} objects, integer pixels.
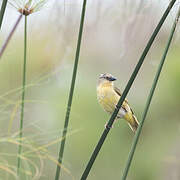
[{"x": 115, "y": 34}]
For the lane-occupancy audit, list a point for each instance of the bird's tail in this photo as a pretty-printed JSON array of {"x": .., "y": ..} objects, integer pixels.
[{"x": 132, "y": 122}]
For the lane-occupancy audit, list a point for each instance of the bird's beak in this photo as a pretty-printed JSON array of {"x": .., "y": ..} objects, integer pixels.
[{"x": 112, "y": 79}]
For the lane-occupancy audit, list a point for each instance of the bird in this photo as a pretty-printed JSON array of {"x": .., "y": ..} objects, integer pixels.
[{"x": 108, "y": 96}]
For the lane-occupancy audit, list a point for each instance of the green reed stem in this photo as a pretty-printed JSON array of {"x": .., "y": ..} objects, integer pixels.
[
  {"x": 10, "y": 35},
  {"x": 66, "y": 122},
  {"x": 136, "y": 138},
  {"x": 3, "y": 8},
  {"x": 125, "y": 92},
  {"x": 23, "y": 96}
]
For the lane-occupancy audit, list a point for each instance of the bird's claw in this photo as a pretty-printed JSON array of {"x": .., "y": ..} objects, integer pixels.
[
  {"x": 117, "y": 107},
  {"x": 108, "y": 127}
]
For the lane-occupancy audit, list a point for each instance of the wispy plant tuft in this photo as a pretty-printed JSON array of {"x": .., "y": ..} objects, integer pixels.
[
  {"x": 27, "y": 7},
  {"x": 34, "y": 156},
  {"x": 24, "y": 7}
]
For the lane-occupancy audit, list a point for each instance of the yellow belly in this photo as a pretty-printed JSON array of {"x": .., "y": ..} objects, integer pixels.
[{"x": 107, "y": 99}]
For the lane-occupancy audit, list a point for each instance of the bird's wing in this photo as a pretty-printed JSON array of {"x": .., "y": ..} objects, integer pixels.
[
  {"x": 125, "y": 104},
  {"x": 119, "y": 93}
]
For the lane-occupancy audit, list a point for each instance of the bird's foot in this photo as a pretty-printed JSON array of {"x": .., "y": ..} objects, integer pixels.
[
  {"x": 107, "y": 126},
  {"x": 117, "y": 107}
]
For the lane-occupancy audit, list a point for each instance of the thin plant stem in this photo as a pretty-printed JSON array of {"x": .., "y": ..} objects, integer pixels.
[
  {"x": 66, "y": 122},
  {"x": 23, "y": 96},
  {"x": 125, "y": 92},
  {"x": 3, "y": 8},
  {"x": 10, "y": 35},
  {"x": 136, "y": 138}
]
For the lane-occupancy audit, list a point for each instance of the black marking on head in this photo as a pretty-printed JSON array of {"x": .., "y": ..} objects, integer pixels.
[{"x": 107, "y": 76}]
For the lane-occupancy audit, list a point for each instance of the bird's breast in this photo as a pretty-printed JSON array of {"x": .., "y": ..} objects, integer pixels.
[{"x": 107, "y": 98}]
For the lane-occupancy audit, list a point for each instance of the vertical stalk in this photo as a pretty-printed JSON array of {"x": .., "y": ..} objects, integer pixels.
[
  {"x": 23, "y": 96},
  {"x": 66, "y": 122},
  {"x": 136, "y": 138},
  {"x": 124, "y": 94},
  {"x": 10, "y": 35},
  {"x": 3, "y": 8}
]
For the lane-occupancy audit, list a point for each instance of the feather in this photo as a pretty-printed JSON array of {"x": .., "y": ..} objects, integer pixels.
[
  {"x": 108, "y": 97},
  {"x": 130, "y": 117}
]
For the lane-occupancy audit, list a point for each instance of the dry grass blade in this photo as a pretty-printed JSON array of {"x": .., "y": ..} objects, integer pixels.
[{"x": 8, "y": 170}]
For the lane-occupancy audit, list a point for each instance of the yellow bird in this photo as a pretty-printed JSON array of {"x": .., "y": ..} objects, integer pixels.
[{"x": 108, "y": 96}]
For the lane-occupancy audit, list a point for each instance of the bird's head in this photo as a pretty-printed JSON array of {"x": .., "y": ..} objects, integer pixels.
[{"x": 106, "y": 78}]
